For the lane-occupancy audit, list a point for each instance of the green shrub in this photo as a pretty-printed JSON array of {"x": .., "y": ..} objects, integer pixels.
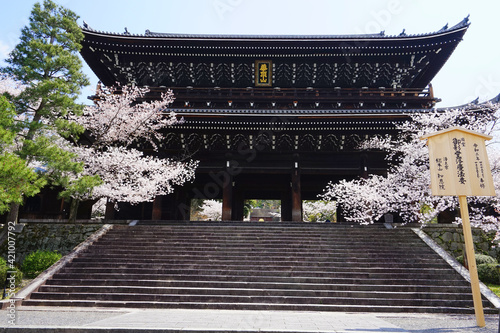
[
  {"x": 38, "y": 261},
  {"x": 480, "y": 259},
  {"x": 4, "y": 268},
  {"x": 488, "y": 273}
]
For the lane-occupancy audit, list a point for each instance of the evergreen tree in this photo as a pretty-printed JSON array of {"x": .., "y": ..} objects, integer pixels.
[
  {"x": 16, "y": 179},
  {"x": 46, "y": 62}
]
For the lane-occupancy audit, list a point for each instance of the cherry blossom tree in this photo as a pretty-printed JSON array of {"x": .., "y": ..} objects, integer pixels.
[
  {"x": 10, "y": 86},
  {"x": 120, "y": 121},
  {"x": 406, "y": 188},
  {"x": 319, "y": 211},
  {"x": 211, "y": 210}
]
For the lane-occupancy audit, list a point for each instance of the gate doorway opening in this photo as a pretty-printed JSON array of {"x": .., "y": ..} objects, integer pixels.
[
  {"x": 258, "y": 210},
  {"x": 205, "y": 210}
]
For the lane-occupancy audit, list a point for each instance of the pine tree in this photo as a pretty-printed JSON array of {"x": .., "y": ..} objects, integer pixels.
[
  {"x": 16, "y": 179},
  {"x": 46, "y": 62}
]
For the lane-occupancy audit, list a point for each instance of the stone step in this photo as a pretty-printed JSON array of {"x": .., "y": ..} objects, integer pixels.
[
  {"x": 261, "y": 261},
  {"x": 309, "y": 227},
  {"x": 144, "y": 272},
  {"x": 258, "y": 306},
  {"x": 318, "y": 293},
  {"x": 255, "y": 246},
  {"x": 346, "y": 267},
  {"x": 127, "y": 297},
  {"x": 455, "y": 281},
  {"x": 259, "y": 255},
  {"x": 266, "y": 242},
  {"x": 252, "y": 257},
  {"x": 406, "y": 288},
  {"x": 237, "y": 298},
  {"x": 286, "y": 238},
  {"x": 263, "y": 251},
  {"x": 255, "y": 252},
  {"x": 399, "y": 238},
  {"x": 257, "y": 232},
  {"x": 259, "y": 266},
  {"x": 260, "y": 245},
  {"x": 269, "y": 224}
]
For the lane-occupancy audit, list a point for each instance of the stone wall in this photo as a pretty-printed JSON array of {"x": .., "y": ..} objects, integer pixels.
[
  {"x": 47, "y": 236},
  {"x": 450, "y": 237}
]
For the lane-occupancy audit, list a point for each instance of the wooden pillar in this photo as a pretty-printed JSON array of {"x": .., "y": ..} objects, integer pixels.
[
  {"x": 183, "y": 204},
  {"x": 238, "y": 205},
  {"x": 227, "y": 198},
  {"x": 296, "y": 195},
  {"x": 286, "y": 204},
  {"x": 340, "y": 213},
  {"x": 173, "y": 207},
  {"x": 471, "y": 260},
  {"x": 110, "y": 211},
  {"x": 157, "y": 208},
  {"x": 364, "y": 166}
]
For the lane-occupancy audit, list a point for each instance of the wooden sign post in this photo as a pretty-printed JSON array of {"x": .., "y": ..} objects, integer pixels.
[{"x": 459, "y": 166}]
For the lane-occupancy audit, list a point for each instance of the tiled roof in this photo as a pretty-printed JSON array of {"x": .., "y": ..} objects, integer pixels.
[{"x": 149, "y": 34}]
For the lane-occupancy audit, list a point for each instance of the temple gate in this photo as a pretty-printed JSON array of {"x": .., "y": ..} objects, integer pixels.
[{"x": 273, "y": 117}]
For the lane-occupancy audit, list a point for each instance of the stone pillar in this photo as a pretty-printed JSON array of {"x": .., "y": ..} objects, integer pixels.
[{"x": 296, "y": 195}]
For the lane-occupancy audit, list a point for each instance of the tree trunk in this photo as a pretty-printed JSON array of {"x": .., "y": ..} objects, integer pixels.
[
  {"x": 73, "y": 210},
  {"x": 13, "y": 212}
]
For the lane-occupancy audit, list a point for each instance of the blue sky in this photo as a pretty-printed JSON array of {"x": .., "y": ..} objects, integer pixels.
[{"x": 472, "y": 71}]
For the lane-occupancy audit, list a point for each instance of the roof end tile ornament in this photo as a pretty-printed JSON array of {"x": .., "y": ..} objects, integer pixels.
[
  {"x": 464, "y": 23},
  {"x": 444, "y": 28}
]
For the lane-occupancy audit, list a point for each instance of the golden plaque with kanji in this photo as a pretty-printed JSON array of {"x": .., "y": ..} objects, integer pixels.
[{"x": 263, "y": 73}]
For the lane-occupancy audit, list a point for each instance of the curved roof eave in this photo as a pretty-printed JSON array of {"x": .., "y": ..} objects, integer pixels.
[
  {"x": 472, "y": 104},
  {"x": 463, "y": 25}
]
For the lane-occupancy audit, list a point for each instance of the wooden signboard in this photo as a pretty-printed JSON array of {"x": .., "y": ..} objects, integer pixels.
[
  {"x": 459, "y": 166},
  {"x": 459, "y": 163}
]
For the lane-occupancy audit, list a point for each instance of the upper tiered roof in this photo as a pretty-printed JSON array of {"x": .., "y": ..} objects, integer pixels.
[{"x": 229, "y": 61}]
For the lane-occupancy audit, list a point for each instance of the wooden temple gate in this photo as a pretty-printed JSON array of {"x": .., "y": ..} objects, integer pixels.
[{"x": 273, "y": 117}]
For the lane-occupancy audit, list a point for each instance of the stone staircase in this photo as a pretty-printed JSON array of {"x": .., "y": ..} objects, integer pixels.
[{"x": 259, "y": 266}]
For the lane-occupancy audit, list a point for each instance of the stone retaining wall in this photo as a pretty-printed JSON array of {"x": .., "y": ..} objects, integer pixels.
[
  {"x": 450, "y": 237},
  {"x": 47, "y": 237}
]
